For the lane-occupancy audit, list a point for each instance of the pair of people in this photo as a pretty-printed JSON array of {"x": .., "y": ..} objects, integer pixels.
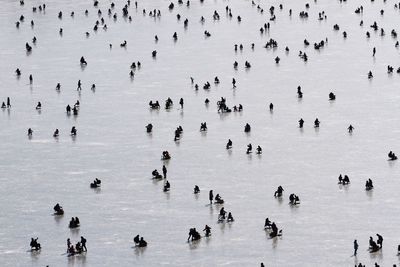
[
  {"x": 139, "y": 241},
  {"x": 74, "y": 223}
]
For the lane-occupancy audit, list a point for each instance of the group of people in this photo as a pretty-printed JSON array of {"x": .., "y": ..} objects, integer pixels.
[
  {"x": 74, "y": 223},
  {"x": 139, "y": 241},
  {"x": 78, "y": 248},
  {"x": 272, "y": 228},
  {"x": 96, "y": 183},
  {"x": 222, "y": 216},
  {"x": 343, "y": 180}
]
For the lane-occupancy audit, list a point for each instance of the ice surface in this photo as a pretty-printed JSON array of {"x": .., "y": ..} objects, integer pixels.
[{"x": 112, "y": 143}]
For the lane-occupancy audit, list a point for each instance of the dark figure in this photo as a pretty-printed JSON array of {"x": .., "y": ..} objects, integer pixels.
[
  {"x": 39, "y": 106},
  {"x": 181, "y": 102},
  {"x": 136, "y": 239},
  {"x": 294, "y": 199},
  {"x": 392, "y": 156},
  {"x": 355, "y": 247},
  {"x": 164, "y": 170},
  {"x": 58, "y": 210},
  {"x": 229, "y": 144},
  {"x": 301, "y": 122},
  {"x": 79, "y": 85},
  {"x": 380, "y": 240},
  {"x": 211, "y": 196},
  {"x": 207, "y": 229},
  {"x": 368, "y": 185},
  {"x": 218, "y": 199},
  {"x": 271, "y": 107},
  {"x": 196, "y": 189},
  {"x": 247, "y": 128},
  {"x": 3, "y": 105},
  {"x": 167, "y": 186},
  {"x": 156, "y": 175},
  {"x": 267, "y": 224},
  {"x": 83, "y": 61},
  {"x": 249, "y": 149},
  {"x": 68, "y": 109},
  {"x": 332, "y": 96},
  {"x": 74, "y": 223},
  {"x": 346, "y": 180},
  {"x": 299, "y": 92},
  {"x": 316, "y": 123},
  {"x": 258, "y": 150},
  {"x": 34, "y": 244},
  {"x": 373, "y": 247},
  {"x": 73, "y": 131},
  {"x": 165, "y": 155},
  {"x": 8, "y": 103},
  {"x": 278, "y": 192},
  {"x": 221, "y": 215},
  {"x": 83, "y": 243},
  {"x": 274, "y": 232},
  {"x": 203, "y": 126},
  {"x": 96, "y": 183},
  {"x": 350, "y": 128},
  {"x": 149, "y": 128},
  {"x": 230, "y": 217},
  {"x": 142, "y": 243},
  {"x": 30, "y": 132}
]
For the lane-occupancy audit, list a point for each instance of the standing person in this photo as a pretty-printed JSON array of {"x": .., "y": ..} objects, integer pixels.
[
  {"x": 164, "y": 171},
  {"x": 83, "y": 242},
  {"x": 181, "y": 102},
  {"x": 79, "y": 85},
  {"x": 211, "y": 196},
  {"x": 8, "y": 102},
  {"x": 68, "y": 244},
  {"x": 355, "y": 247}
]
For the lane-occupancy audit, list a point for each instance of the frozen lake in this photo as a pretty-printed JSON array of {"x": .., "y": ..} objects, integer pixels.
[{"x": 112, "y": 143}]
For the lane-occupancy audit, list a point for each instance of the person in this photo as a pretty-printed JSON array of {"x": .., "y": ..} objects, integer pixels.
[
  {"x": 301, "y": 122},
  {"x": 278, "y": 192},
  {"x": 259, "y": 150},
  {"x": 299, "y": 92},
  {"x": 221, "y": 215},
  {"x": 30, "y": 132},
  {"x": 249, "y": 149},
  {"x": 181, "y": 103},
  {"x": 8, "y": 103},
  {"x": 207, "y": 229},
  {"x": 211, "y": 196},
  {"x": 83, "y": 242},
  {"x": 83, "y": 61},
  {"x": 34, "y": 244},
  {"x": 346, "y": 180},
  {"x": 68, "y": 109},
  {"x": 167, "y": 186},
  {"x": 73, "y": 131},
  {"x": 136, "y": 239},
  {"x": 230, "y": 217},
  {"x": 350, "y": 128},
  {"x": 164, "y": 170},
  {"x": 332, "y": 96},
  {"x": 196, "y": 189},
  {"x": 79, "y": 85},
  {"x": 267, "y": 224},
  {"x": 247, "y": 128},
  {"x": 229, "y": 144},
  {"x": 68, "y": 244},
  {"x": 3, "y": 105},
  {"x": 218, "y": 199},
  {"x": 58, "y": 209},
  {"x": 56, "y": 133},
  {"x": 355, "y": 247},
  {"x": 156, "y": 175},
  {"x": 203, "y": 126},
  {"x": 149, "y": 127},
  {"x": 380, "y": 240},
  {"x": 271, "y": 107},
  {"x": 316, "y": 123},
  {"x": 398, "y": 250},
  {"x": 142, "y": 243}
]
